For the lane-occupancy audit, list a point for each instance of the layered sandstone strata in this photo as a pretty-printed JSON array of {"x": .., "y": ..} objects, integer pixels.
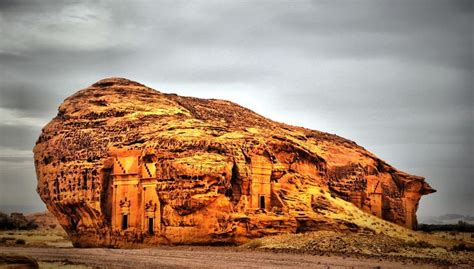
[{"x": 124, "y": 165}]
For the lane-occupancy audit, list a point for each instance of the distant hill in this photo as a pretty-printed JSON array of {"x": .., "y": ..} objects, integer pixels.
[
  {"x": 19, "y": 221},
  {"x": 16, "y": 221},
  {"x": 45, "y": 220},
  {"x": 447, "y": 219}
]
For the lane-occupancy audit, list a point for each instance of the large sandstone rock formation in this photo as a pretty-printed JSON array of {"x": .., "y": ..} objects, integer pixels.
[{"x": 123, "y": 165}]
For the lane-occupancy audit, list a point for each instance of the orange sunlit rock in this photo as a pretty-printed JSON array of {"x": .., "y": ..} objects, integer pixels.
[{"x": 124, "y": 165}]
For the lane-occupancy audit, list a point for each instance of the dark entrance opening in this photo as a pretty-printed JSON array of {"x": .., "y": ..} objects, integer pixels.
[
  {"x": 150, "y": 225},
  {"x": 124, "y": 222},
  {"x": 261, "y": 202}
]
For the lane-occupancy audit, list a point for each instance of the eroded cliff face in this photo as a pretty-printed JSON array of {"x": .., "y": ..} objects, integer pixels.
[{"x": 123, "y": 165}]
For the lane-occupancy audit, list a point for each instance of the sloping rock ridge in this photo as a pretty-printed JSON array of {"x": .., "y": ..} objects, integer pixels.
[{"x": 123, "y": 165}]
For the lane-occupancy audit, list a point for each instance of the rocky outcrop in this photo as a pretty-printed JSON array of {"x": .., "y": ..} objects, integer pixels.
[
  {"x": 124, "y": 165},
  {"x": 16, "y": 221}
]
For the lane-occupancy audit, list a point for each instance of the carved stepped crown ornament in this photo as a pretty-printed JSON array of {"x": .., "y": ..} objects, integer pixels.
[{"x": 124, "y": 165}]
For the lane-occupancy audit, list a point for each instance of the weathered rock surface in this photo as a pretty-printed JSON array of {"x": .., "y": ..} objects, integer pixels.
[{"x": 124, "y": 165}]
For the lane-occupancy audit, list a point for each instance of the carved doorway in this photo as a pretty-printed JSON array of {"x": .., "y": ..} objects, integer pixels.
[
  {"x": 124, "y": 222},
  {"x": 261, "y": 202},
  {"x": 150, "y": 225}
]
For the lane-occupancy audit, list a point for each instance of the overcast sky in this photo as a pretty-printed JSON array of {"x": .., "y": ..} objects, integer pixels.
[{"x": 394, "y": 76}]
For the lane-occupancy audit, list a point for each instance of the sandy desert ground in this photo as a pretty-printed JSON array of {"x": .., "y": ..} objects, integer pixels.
[
  {"x": 196, "y": 257},
  {"x": 324, "y": 249}
]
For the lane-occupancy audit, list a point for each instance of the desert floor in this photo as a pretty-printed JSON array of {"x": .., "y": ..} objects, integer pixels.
[
  {"x": 195, "y": 257},
  {"x": 324, "y": 249}
]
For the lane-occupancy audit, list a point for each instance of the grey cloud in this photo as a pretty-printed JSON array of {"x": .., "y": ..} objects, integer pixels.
[
  {"x": 16, "y": 178},
  {"x": 438, "y": 32},
  {"x": 434, "y": 31},
  {"x": 16, "y": 159},
  {"x": 32, "y": 5},
  {"x": 14, "y": 5},
  {"x": 10, "y": 58},
  {"x": 18, "y": 137},
  {"x": 28, "y": 100}
]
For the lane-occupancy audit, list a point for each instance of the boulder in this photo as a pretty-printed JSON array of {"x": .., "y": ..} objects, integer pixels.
[{"x": 123, "y": 165}]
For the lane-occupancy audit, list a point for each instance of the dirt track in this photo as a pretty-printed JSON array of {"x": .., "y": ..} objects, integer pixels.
[{"x": 196, "y": 257}]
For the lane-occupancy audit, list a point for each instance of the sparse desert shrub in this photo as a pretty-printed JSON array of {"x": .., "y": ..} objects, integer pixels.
[
  {"x": 13, "y": 259},
  {"x": 461, "y": 226},
  {"x": 16, "y": 221},
  {"x": 32, "y": 226},
  {"x": 5, "y": 222},
  {"x": 20, "y": 242},
  {"x": 256, "y": 243},
  {"x": 462, "y": 247},
  {"x": 424, "y": 244},
  {"x": 419, "y": 244},
  {"x": 38, "y": 244}
]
